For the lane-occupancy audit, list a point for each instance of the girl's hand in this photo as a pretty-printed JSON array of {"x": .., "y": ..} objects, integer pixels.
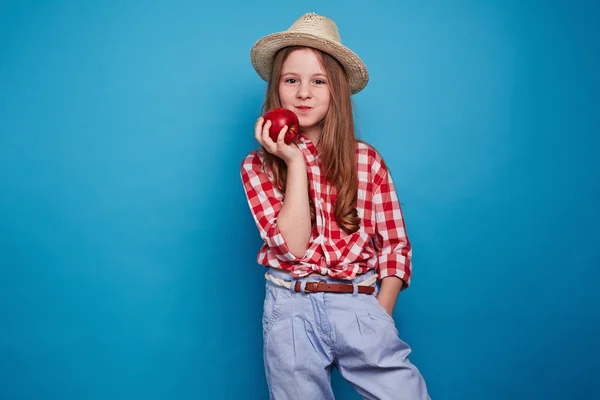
[{"x": 288, "y": 153}]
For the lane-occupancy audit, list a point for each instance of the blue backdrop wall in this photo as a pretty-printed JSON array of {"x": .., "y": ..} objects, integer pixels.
[{"x": 127, "y": 250}]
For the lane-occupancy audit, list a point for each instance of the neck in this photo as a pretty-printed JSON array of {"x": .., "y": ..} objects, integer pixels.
[{"x": 313, "y": 133}]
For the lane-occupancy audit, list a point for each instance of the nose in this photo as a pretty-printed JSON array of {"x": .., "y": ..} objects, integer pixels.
[{"x": 304, "y": 91}]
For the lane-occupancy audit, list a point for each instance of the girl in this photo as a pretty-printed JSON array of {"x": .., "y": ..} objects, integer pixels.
[{"x": 335, "y": 244}]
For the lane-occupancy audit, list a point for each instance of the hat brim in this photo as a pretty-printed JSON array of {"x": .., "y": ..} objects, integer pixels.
[{"x": 264, "y": 51}]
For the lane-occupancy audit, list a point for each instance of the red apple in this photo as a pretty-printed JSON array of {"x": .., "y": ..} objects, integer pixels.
[{"x": 279, "y": 118}]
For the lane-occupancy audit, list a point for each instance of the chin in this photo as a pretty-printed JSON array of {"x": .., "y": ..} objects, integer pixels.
[{"x": 307, "y": 122}]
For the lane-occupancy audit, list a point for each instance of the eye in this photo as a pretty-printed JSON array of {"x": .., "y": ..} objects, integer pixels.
[
  {"x": 291, "y": 80},
  {"x": 320, "y": 82}
]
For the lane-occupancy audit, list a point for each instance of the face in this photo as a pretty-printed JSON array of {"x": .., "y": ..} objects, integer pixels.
[{"x": 303, "y": 88}]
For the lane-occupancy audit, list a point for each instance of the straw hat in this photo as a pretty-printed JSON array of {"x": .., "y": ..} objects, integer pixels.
[{"x": 314, "y": 31}]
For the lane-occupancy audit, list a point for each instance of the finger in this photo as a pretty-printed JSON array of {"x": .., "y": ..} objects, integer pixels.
[
  {"x": 265, "y": 133},
  {"x": 281, "y": 136},
  {"x": 258, "y": 128}
]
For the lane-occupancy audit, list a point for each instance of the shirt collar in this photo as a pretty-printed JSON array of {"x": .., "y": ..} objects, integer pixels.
[{"x": 307, "y": 145}]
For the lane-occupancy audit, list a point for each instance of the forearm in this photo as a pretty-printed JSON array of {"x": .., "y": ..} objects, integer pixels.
[
  {"x": 388, "y": 292},
  {"x": 293, "y": 219}
]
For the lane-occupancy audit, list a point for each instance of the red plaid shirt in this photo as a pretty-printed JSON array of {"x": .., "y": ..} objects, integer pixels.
[{"x": 380, "y": 243}]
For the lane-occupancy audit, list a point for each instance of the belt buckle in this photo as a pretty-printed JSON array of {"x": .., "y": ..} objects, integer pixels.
[
  {"x": 317, "y": 283},
  {"x": 324, "y": 282}
]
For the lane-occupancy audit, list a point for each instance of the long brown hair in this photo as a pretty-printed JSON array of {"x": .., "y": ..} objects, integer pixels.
[{"x": 337, "y": 143}]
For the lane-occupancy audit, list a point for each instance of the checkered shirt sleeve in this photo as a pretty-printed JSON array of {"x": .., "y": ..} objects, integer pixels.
[
  {"x": 265, "y": 201},
  {"x": 391, "y": 240}
]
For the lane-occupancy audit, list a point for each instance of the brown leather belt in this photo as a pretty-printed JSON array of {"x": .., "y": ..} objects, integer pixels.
[{"x": 333, "y": 287}]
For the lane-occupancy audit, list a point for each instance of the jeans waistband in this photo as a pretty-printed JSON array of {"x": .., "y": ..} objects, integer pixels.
[{"x": 277, "y": 273}]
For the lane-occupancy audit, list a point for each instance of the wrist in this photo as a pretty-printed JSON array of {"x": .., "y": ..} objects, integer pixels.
[
  {"x": 296, "y": 161},
  {"x": 387, "y": 302}
]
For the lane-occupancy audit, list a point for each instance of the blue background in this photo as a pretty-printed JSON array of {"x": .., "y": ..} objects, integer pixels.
[{"x": 127, "y": 250}]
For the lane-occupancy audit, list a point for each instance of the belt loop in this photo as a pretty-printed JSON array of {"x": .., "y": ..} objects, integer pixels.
[
  {"x": 303, "y": 286},
  {"x": 355, "y": 289},
  {"x": 293, "y": 284}
]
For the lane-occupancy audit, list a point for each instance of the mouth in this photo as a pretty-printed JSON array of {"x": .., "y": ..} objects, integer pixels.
[{"x": 304, "y": 108}]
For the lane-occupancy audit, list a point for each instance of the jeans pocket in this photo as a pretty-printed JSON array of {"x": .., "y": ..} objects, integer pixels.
[
  {"x": 271, "y": 307},
  {"x": 380, "y": 309}
]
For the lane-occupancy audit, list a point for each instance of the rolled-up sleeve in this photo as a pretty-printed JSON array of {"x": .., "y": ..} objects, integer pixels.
[
  {"x": 391, "y": 241},
  {"x": 265, "y": 201}
]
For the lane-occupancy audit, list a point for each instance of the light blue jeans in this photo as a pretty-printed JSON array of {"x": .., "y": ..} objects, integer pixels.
[{"x": 307, "y": 334}]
